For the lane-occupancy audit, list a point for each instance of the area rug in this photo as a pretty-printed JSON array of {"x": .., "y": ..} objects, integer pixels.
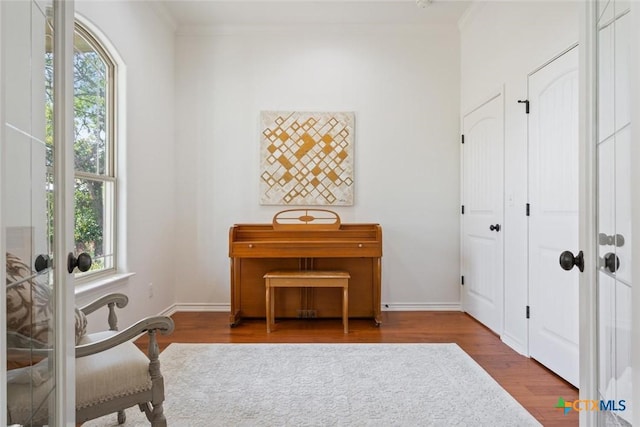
[{"x": 328, "y": 385}]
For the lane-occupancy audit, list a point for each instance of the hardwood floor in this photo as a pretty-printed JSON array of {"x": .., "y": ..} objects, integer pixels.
[{"x": 530, "y": 383}]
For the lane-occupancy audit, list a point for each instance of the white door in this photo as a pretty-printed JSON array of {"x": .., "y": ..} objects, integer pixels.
[
  {"x": 37, "y": 215},
  {"x": 614, "y": 209},
  {"x": 553, "y": 215},
  {"x": 482, "y": 219}
]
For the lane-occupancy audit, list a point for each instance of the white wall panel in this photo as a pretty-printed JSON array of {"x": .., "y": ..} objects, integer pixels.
[
  {"x": 146, "y": 153},
  {"x": 403, "y": 85}
]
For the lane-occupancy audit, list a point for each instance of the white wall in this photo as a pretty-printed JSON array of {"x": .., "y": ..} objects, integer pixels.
[
  {"x": 147, "y": 170},
  {"x": 403, "y": 85},
  {"x": 501, "y": 43}
]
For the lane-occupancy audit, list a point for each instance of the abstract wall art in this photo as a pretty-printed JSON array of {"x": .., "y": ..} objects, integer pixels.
[{"x": 306, "y": 158}]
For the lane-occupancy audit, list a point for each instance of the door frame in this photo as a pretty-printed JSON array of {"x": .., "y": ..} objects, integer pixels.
[
  {"x": 3, "y": 294},
  {"x": 65, "y": 361},
  {"x": 588, "y": 203},
  {"x": 635, "y": 205}
]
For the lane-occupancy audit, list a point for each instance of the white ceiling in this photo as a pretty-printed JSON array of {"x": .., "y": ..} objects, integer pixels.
[{"x": 187, "y": 13}]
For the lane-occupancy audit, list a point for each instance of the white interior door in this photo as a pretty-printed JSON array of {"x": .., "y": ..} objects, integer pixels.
[
  {"x": 614, "y": 281},
  {"x": 482, "y": 219},
  {"x": 553, "y": 220}
]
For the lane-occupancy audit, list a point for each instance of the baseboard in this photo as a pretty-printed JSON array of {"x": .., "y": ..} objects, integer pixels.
[
  {"x": 402, "y": 306},
  {"x": 226, "y": 308},
  {"x": 187, "y": 306},
  {"x": 514, "y": 344}
]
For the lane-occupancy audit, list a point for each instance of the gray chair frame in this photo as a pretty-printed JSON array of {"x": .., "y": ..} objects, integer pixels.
[{"x": 149, "y": 401}]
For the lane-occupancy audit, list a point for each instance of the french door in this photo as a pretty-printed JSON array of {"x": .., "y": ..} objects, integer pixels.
[
  {"x": 613, "y": 150},
  {"x": 37, "y": 212},
  {"x": 607, "y": 332}
]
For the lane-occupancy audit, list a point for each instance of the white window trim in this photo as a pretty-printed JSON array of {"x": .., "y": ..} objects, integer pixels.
[
  {"x": 94, "y": 285},
  {"x": 87, "y": 292},
  {"x": 94, "y": 40}
]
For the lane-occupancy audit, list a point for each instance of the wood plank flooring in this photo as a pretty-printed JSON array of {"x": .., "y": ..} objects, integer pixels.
[{"x": 530, "y": 383}]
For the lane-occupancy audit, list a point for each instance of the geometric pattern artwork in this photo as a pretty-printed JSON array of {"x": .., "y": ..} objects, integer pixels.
[{"x": 306, "y": 158}]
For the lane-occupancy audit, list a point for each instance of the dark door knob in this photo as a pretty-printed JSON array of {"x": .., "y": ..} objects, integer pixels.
[
  {"x": 494, "y": 227},
  {"x": 43, "y": 261},
  {"x": 568, "y": 261},
  {"x": 83, "y": 262},
  {"x": 612, "y": 262}
]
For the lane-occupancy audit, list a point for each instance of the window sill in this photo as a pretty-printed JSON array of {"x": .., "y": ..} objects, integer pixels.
[{"x": 88, "y": 291}]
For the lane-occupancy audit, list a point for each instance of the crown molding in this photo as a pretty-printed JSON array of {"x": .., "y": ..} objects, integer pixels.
[{"x": 294, "y": 29}]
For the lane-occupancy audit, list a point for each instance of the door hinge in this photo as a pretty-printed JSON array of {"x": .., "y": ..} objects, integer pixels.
[
  {"x": 526, "y": 104},
  {"x": 462, "y": 210},
  {"x": 462, "y": 139},
  {"x": 462, "y": 280},
  {"x": 528, "y": 312},
  {"x": 528, "y": 209}
]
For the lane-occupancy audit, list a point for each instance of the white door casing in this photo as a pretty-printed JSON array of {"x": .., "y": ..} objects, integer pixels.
[
  {"x": 553, "y": 220},
  {"x": 482, "y": 219},
  {"x": 65, "y": 396},
  {"x": 634, "y": 157}
]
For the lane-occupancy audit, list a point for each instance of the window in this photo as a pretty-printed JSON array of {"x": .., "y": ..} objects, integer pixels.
[{"x": 94, "y": 147}]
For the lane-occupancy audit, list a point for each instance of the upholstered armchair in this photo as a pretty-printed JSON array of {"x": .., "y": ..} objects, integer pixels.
[{"x": 112, "y": 373}]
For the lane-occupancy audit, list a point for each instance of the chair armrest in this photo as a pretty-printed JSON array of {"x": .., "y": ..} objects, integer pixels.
[
  {"x": 120, "y": 300},
  {"x": 162, "y": 323}
]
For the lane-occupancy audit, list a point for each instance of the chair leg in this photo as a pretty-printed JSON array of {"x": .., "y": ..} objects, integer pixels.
[
  {"x": 157, "y": 417},
  {"x": 122, "y": 417},
  {"x": 154, "y": 413}
]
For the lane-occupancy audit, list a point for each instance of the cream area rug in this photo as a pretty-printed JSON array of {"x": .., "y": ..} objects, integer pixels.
[{"x": 328, "y": 385}]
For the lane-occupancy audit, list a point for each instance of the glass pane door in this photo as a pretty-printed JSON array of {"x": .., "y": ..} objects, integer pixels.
[
  {"x": 614, "y": 213},
  {"x": 28, "y": 185}
]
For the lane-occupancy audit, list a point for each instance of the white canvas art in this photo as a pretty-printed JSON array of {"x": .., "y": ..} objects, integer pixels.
[{"x": 306, "y": 158}]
